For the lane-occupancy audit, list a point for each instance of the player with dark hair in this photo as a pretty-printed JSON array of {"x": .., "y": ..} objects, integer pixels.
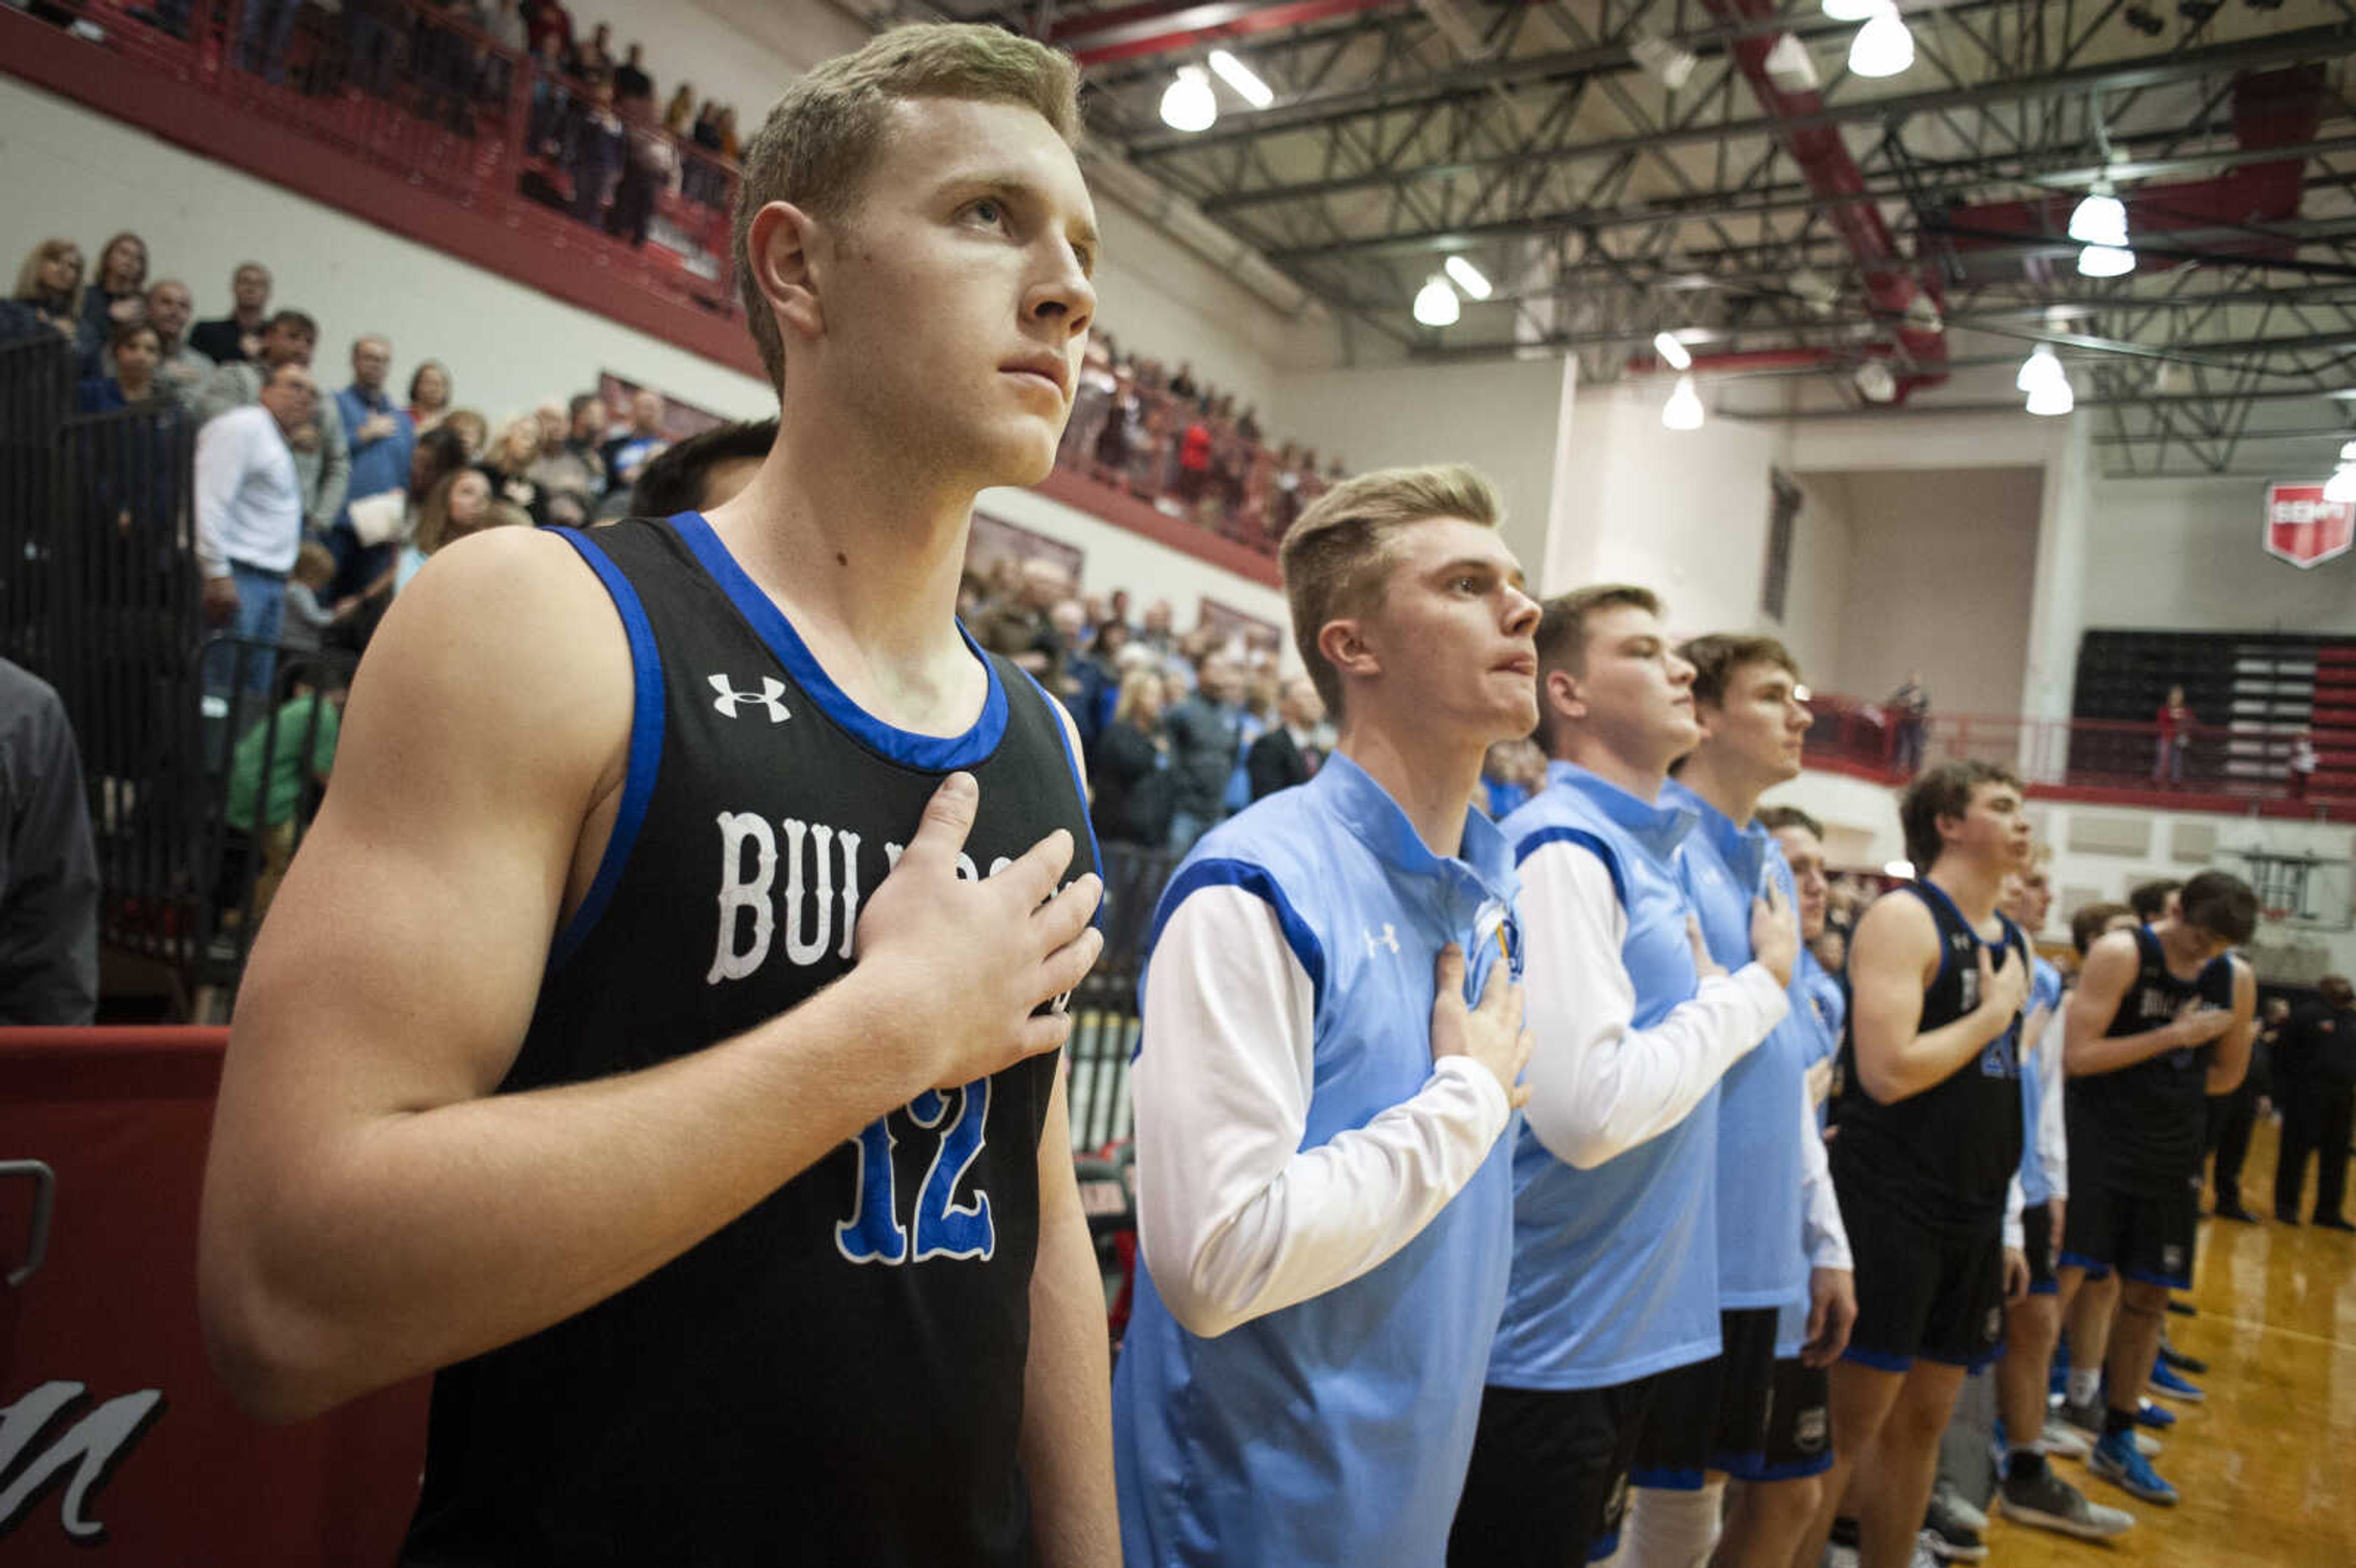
[
  {"x": 1929, "y": 1135},
  {"x": 2162, "y": 1019},
  {"x": 708, "y": 469}
]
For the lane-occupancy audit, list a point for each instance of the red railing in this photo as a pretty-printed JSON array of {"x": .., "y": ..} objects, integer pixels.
[
  {"x": 2096, "y": 759},
  {"x": 390, "y": 111}
]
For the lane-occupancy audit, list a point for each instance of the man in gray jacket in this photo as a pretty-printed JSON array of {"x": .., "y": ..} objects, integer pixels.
[{"x": 48, "y": 870}]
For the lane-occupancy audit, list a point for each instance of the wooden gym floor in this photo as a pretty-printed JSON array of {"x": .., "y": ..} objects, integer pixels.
[{"x": 2267, "y": 1465}]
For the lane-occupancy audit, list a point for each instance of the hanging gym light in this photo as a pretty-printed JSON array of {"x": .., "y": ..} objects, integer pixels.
[
  {"x": 1883, "y": 47},
  {"x": 2105, "y": 261},
  {"x": 2049, "y": 399},
  {"x": 1436, "y": 304},
  {"x": 1188, "y": 103},
  {"x": 1667, "y": 345},
  {"x": 2341, "y": 486},
  {"x": 1243, "y": 79},
  {"x": 1683, "y": 411},
  {"x": 2100, "y": 218},
  {"x": 2043, "y": 367},
  {"x": 1468, "y": 277},
  {"x": 1849, "y": 10}
]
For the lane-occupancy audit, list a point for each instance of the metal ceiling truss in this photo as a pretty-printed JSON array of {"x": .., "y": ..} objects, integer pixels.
[{"x": 1604, "y": 207}]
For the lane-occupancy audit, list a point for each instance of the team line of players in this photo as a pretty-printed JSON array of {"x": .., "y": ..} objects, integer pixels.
[{"x": 1485, "y": 1208}]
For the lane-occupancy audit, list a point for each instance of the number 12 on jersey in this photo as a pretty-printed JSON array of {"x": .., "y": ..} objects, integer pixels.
[{"x": 945, "y": 1228}]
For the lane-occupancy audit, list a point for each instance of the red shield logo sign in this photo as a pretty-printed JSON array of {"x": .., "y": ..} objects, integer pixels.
[{"x": 2304, "y": 528}]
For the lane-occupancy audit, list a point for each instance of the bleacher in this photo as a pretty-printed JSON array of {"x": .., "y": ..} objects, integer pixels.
[{"x": 2252, "y": 693}]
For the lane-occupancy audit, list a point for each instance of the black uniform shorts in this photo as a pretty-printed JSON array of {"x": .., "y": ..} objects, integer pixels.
[
  {"x": 1742, "y": 1411},
  {"x": 2036, "y": 1239},
  {"x": 1922, "y": 1290},
  {"x": 1547, "y": 1486},
  {"x": 2145, "y": 1235}
]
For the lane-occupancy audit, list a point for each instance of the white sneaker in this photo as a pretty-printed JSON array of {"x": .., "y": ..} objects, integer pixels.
[{"x": 2064, "y": 1441}]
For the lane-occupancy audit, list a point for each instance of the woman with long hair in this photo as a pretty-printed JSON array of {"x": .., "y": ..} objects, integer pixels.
[
  {"x": 50, "y": 283},
  {"x": 506, "y": 464},
  {"x": 429, "y": 394},
  {"x": 1134, "y": 800},
  {"x": 119, "y": 295}
]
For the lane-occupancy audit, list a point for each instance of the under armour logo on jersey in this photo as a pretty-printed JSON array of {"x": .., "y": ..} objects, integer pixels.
[
  {"x": 1389, "y": 938},
  {"x": 730, "y": 698}
]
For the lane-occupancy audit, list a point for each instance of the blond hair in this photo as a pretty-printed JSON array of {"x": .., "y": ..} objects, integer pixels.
[
  {"x": 1335, "y": 559},
  {"x": 28, "y": 276},
  {"x": 818, "y": 144},
  {"x": 1132, "y": 693}
]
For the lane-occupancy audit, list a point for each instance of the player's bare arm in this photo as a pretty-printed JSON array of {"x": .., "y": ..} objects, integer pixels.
[
  {"x": 1068, "y": 1373},
  {"x": 2112, "y": 964},
  {"x": 1893, "y": 959},
  {"x": 372, "y": 1210},
  {"x": 2234, "y": 1044}
]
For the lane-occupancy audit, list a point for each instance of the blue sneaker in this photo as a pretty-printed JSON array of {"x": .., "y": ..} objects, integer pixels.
[
  {"x": 2116, "y": 1460},
  {"x": 2165, "y": 1382},
  {"x": 2155, "y": 1415}
]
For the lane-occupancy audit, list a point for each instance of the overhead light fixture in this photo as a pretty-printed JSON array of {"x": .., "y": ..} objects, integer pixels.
[
  {"x": 1188, "y": 103},
  {"x": 1875, "y": 383},
  {"x": 1468, "y": 277},
  {"x": 1901, "y": 869},
  {"x": 1671, "y": 64},
  {"x": 1814, "y": 290},
  {"x": 1436, "y": 304},
  {"x": 2340, "y": 488},
  {"x": 1790, "y": 67},
  {"x": 2100, "y": 217},
  {"x": 1683, "y": 411},
  {"x": 2049, "y": 399},
  {"x": 1923, "y": 315},
  {"x": 2348, "y": 451},
  {"x": 2105, "y": 261},
  {"x": 1882, "y": 47},
  {"x": 1849, "y": 10},
  {"x": 1667, "y": 345},
  {"x": 2043, "y": 367},
  {"x": 1240, "y": 75}
]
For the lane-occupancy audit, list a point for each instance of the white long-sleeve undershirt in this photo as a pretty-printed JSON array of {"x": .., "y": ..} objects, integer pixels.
[
  {"x": 1236, "y": 1218},
  {"x": 1599, "y": 1086}
]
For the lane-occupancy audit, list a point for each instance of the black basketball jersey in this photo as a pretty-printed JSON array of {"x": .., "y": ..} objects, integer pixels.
[
  {"x": 1943, "y": 1157},
  {"x": 837, "y": 1376},
  {"x": 2143, "y": 1128}
]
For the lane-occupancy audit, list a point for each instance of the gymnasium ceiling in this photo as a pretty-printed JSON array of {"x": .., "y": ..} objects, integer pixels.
[{"x": 1790, "y": 237}]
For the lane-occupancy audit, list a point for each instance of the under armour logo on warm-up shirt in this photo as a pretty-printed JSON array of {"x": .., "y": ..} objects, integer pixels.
[
  {"x": 772, "y": 688},
  {"x": 1387, "y": 937}
]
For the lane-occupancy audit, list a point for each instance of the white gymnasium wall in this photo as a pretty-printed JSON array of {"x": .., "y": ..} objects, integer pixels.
[
  {"x": 2187, "y": 554},
  {"x": 67, "y": 171},
  {"x": 1501, "y": 416},
  {"x": 1682, "y": 513},
  {"x": 1816, "y": 608},
  {"x": 1861, "y": 831},
  {"x": 1939, "y": 580}
]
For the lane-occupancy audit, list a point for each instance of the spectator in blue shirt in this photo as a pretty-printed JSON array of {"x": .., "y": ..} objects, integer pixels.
[{"x": 1324, "y": 1111}]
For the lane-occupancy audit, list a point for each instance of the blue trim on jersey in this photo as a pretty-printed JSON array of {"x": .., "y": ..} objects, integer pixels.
[
  {"x": 1880, "y": 1360},
  {"x": 1602, "y": 1547},
  {"x": 938, "y": 753},
  {"x": 1592, "y": 843},
  {"x": 1079, "y": 780},
  {"x": 1754, "y": 1466},
  {"x": 2045, "y": 1287},
  {"x": 1258, "y": 881},
  {"x": 2172, "y": 1281},
  {"x": 2095, "y": 1268},
  {"x": 646, "y": 743},
  {"x": 1667, "y": 1478}
]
